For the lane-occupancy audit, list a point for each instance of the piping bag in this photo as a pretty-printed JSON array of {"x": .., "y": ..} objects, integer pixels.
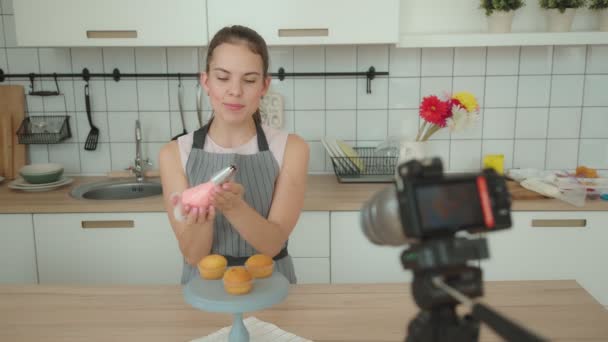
[{"x": 199, "y": 196}]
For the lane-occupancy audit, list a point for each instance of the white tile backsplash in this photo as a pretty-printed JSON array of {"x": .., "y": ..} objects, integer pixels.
[
  {"x": 567, "y": 90},
  {"x": 562, "y": 154},
  {"x": 437, "y": 62},
  {"x": 596, "y": 59},
  {"x": 379, "y": 96},
  {"x": 341, "y": 124},
  {"x": 310, "y": 124},
  {"x": 150, "y": 60},
  {"x": 541, "y": 106},
  {"x": 153, "y": 95},
  {"x": 372, "y": 124},
  {"x": 96, "y": 162},
  {"x": 529, "y": 154},
  {"x": 310, "y": 93},
  {"x": 569, "y": 59},
  {"x": 23, "y": 60},
  {"x": 470, "y": 61},
  {"x": 564, "y": 122},
  {"x": 404, "y": 62},
  {"x": 498, "y": 123},
  {"x": 531, "y": 123},
  {"x": 122, "y": 95},
  {"x": 341, "y": 93},
  {"x": 501, "y": 91},
  {"x": 536, "y": 60},
  {"x": 340, "y": 58},
  {"x": 309, "y": 59},
  {"x": 7, "y": 6},
  {"x": 403, "y": 92},
  {"x": 595, "y": 122},
  {"x": 503, "y": 61},
  {"x": 119, "y": 57},
  {"x": 595, "y": 90},
  {"x": 534, "y": 91}
]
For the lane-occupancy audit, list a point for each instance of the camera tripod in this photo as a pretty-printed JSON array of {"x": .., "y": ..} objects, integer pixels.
[{"x": 438, "y": 290}]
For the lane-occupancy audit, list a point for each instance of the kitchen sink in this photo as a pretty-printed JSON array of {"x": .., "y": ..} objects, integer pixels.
[{"x": 117, "y": 190}]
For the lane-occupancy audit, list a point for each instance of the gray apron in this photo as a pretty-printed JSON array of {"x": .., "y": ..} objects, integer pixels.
[{"x": 257, "y": 173}]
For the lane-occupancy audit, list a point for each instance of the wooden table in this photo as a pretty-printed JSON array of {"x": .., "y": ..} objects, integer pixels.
[{"x": 559, "y": 310}]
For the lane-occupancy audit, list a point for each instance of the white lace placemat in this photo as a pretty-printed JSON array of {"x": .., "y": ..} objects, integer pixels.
[{"x": 258, "y": 331}]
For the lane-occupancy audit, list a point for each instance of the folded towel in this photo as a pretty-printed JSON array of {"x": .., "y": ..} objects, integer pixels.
[{"x": 258, "y": 331}]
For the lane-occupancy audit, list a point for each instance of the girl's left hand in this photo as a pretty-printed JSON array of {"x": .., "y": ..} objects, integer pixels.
[{"x": 227, "y": 196}]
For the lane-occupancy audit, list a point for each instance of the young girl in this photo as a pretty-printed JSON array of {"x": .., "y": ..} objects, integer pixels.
[{"x": 257, "y": 211}]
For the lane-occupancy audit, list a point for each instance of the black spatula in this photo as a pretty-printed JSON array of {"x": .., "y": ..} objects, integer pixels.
[{"x": 91, "y": 142}]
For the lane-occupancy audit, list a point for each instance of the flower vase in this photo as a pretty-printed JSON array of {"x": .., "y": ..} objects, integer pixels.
[
  {"x": 412, "y": 150},
  {"x": 500, "y": 21},
  {"x": 560, "y": 22},
  {"x": 604, "y": 20}
]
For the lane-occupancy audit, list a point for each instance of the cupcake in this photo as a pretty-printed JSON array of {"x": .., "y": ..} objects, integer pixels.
[
  {"x": 238, "y": 281},
  {"x": 212, "y": 266},
  {"x": 260, "y": 265}
]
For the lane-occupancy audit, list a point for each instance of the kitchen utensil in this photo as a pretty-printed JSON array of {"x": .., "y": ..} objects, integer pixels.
[
  {"x": 44, "y": 92},
  {"x": 271, "y": 109},
  {"x": 12, "y": 100},
  {"x": 180, "y": 104},
  {"x": 199, "y": 104},
  {"x": 91, "y": 142},
  {"x": 42, "y": 173}
]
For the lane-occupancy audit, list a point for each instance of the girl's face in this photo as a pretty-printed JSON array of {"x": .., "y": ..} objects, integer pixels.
[{"x": 235, "y": 82}]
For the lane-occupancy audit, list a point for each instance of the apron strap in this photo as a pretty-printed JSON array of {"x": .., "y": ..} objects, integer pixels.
[{"x": 198, "y": 140}]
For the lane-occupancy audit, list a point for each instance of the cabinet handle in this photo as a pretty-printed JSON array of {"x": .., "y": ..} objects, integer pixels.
[
  {"x": 108, "y": 224},
  {"x": 319, "y": 32},
  {"x": 577, "y": 223},
  {"x": 112, "y": 34}
]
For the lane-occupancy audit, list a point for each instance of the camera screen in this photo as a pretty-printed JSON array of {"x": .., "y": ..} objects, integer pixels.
[{"x": 449, "y": 205}]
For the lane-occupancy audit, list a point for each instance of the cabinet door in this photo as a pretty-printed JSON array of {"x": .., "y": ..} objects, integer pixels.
[
  {"x": 312, "y": 270},
  {"x": 118, "y": 248},
  {"x": 110, "y": 23},
  {"x": 354, "y": 259},
  {"x": 310, "y": 237},
  {"x": 17, "y": 251},
  {"x": 295, "y": 22}
]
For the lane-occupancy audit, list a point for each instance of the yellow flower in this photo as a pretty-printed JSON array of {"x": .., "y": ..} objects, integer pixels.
[{"x": 467, "y": 100}]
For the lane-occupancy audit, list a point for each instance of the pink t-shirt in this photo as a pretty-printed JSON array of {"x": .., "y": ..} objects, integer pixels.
[{"x": 277, "y": 140}]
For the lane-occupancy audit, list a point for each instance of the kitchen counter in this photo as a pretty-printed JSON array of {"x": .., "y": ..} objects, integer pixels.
[
  {"x": 324, "y": 193},
  {"x": 558, "y": 310}
]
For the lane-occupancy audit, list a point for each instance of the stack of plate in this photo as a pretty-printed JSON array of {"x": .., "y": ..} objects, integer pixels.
[{"x": 23, "y": 185}]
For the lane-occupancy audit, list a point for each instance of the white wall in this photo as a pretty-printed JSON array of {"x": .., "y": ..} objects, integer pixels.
[{"x": 543, "y": 107}]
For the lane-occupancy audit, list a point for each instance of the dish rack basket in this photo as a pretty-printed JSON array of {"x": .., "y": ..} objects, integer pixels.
[
  {"x": 367, "y": 167},
  {"x": 50, "y": 129}
]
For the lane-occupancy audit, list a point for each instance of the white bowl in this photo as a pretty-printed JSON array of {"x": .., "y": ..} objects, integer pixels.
[{"x": 41, "y": 173}]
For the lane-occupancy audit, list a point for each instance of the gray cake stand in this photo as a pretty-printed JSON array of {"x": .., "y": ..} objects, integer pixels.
[{"x": 209, "y": 295}]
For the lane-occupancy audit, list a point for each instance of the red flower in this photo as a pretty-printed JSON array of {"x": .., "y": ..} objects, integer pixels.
[{"x": 435, "y": 111}]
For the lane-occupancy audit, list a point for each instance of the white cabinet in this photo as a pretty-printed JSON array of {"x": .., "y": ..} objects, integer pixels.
[
  {"x": 312, "y": 22},
  {"x": 552, "y": 245},
  {"x": 354, "y": 259},
  {"x": 110, "y": 22},
  {"x": 309, "y": 247},
  {"x": 17, "y": 251},
  {"x": 117, "y": 248}
]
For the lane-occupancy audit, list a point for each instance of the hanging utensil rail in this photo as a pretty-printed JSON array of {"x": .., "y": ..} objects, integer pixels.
[{"x": 370, "y": 74}]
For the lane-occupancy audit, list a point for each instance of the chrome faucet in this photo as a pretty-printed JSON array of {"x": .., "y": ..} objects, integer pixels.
[{"x": 140, "y": 163}]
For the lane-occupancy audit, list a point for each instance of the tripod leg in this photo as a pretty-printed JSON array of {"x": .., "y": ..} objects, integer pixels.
[{"x": 442, "y": 325}]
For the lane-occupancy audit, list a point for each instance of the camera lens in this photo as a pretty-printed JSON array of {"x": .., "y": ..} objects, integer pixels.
[{"x": 380, "y": 219}]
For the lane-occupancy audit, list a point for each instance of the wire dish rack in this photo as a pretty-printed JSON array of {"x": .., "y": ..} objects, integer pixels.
[
  {"x": 50, "y": 129},
  {"x": 367, "y": 167}
]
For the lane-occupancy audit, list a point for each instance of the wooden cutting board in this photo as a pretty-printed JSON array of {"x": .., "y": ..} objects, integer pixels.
[
  {"x": 518, "y": 192},
  {"x": 12, "y": 111}
]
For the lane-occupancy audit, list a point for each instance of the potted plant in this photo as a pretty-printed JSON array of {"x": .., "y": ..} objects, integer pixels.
[
  {"x": 500, "y": 14},
  {"x": 601, "y": 6},
  {"x": 561, "y": 13}
]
